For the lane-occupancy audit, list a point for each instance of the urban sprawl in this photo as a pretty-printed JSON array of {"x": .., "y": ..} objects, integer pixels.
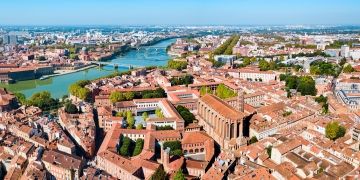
[{"x": 231, "y": 103}]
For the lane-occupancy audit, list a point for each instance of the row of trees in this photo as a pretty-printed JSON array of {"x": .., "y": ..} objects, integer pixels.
[
  {"x": 117, "y": 96},
  {"x": 337, "y": 44},
  {"x": 185, "y": 114},
  {"x": 226, "y": 47},
  {"x": 78, "y": 89},
  {"x": 42, "y": 100},
  {"x": 128, "y": 147},
  {"x": 187, "y": 79},
  {"x": 130, "y": 120},
  {"x": 127, "y": 96},
  {"x": 304, "y": 84},
  {"x": 314, "y": 54},
  {"x": 178, "y": 65},
  {"x": 265, "y": 66},
  {"x": 221, "y": 91},
  {"x": 229, "y": 49}
]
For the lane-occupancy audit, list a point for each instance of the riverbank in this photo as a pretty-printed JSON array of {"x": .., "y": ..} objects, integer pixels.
[
  {"x": 58, "y": 85},
  {"x": 64, "y": 72}
]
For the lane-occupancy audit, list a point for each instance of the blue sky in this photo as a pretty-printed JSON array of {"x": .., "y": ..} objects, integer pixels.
[{"x": 196, "y": 12}]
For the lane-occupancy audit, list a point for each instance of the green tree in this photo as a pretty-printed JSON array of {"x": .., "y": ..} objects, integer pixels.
[
  {"x": 179, "y": 175},
  {"x": 175, "y": 147},
  {"x": 125, "y": 146},
  {"x": 205, "y": 90},
  {"x": 74, "y": 56},
  {"x": 21, "y": 98},
  {"x": 41, "y": 58},
  {"x": 227, "y": 46},
  {"x": 130, "y": 119},
  {"x": 120, "y": 114},
  {"x": 306, "y": 86},
  {"x": 333, "y": 130},
  {"x": 178, "y": 65},
  {"x": 187, "y": 79},
  {"x": 159, "y": 174},
  {"x": 253, "y": 140},
  {"x": 129, "y": 95},
  {"x": 145, "y": 116},
  {"x": 140, "y": 126},
  {"x": 84, "y": 94},
  {"x": 138, "y": 147},
  {"x": 224, "y": 92},
  {"x": 78, "y": 89},
  {"x": 348, "y": 69},
  {"x": 268, "y": 150},
  {"x": 246, "y": 61},
  {"x": 185, "y": 114},
  {"x": 116, "y": 97},
  {"x": 159, "y": 113},
  {"x": 44, "y": 101},
  {"x": 71, "y": 108},
  {"x": 264, "y": 65}
]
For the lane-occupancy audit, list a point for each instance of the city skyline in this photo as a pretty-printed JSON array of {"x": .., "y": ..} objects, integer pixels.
[{"x": 160, "y": 12}]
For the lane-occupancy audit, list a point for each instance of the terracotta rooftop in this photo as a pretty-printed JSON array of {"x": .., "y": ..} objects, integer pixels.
[{"x": 221, "y": 107}]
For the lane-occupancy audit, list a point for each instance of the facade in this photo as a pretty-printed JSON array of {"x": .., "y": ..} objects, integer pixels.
[
  {"x": 220, "y": 120},
  {"x": 227, "y": 59},
  {"x": 256, "y": 75},
  {"x": 345, "y": 50},
  {"x": 62, "y": 166}
]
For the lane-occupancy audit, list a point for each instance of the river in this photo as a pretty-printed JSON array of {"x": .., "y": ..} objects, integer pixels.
[{"x": 154, "y": 55}]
